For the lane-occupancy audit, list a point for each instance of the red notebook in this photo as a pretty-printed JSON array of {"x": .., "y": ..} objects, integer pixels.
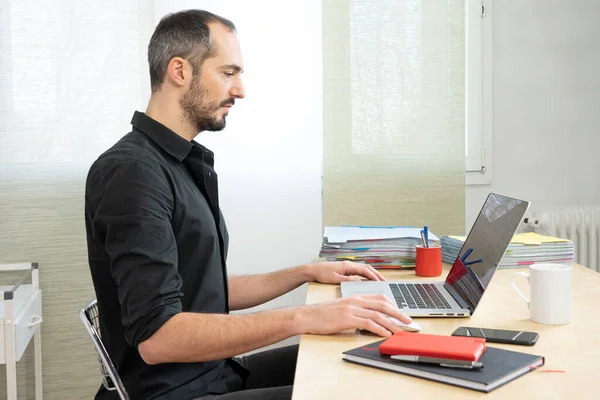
[{"x": 419, "y": 344}]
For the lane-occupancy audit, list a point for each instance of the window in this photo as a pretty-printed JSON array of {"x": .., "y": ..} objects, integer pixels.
[
  {"x": 394, "y": 113},
  {"x": 53, "y": 84}
]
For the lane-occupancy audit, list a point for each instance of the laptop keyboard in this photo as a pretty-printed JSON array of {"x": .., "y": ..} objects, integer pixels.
[{"x": 418, "y": 295}]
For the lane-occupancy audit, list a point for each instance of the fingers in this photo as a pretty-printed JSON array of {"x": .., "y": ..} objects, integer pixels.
[
  {"x": 404, "y": 318},
  {"x": 365, "y": 324},
  {"x": 381, "y": 304},
  {"x": 375, "y": 322},
  {"x": 367, "y": 271},
  {"x": 378, "y": 297},
  {"x": 349, "y": 278},
  {"x": 377, "y": 273},
  {"x": 381, "y": 277}
]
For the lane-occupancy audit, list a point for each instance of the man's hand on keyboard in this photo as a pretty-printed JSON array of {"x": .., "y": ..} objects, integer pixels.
[{"x": 338, "y": 271}]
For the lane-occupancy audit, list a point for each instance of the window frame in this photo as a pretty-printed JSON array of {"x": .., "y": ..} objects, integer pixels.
[{"x": 479, "y": 86}]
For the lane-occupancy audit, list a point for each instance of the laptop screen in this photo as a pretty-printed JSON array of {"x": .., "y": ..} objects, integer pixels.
[{"x": 484, "y": 247}]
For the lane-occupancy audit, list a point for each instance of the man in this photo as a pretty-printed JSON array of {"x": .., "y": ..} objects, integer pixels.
[{"x": 157, "y": 242}]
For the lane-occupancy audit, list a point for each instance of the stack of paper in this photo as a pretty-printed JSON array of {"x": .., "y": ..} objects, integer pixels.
[
  {"x": 381, "y": 247},
  {"x": 524, "y": 249}
]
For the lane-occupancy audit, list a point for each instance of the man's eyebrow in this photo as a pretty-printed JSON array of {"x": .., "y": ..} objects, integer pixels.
[{"x": 234, "y": 67}]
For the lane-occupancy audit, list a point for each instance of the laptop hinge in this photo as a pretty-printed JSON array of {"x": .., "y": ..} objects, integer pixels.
[{"x": 456, "y": 297}]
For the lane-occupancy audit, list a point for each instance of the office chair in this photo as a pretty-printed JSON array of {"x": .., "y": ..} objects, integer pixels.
[{"x": 110, "y": 377}]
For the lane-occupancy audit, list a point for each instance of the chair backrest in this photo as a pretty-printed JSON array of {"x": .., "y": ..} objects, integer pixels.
[{"x": 110, "y": 377}]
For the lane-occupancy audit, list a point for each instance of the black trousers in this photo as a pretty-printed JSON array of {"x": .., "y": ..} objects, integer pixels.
[{"x": 271, "y": 376}]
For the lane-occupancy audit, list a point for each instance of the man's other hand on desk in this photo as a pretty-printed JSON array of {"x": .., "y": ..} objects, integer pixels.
[
  {"x": 338, "y": 271},
  {"x": 367, "y": 312}
]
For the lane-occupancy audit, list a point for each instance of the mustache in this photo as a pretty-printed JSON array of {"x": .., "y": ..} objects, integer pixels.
[{"x": 228, "y": 102}]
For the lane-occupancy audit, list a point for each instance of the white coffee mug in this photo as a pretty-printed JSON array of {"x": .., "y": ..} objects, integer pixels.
[{"x": 550, "y": 289}]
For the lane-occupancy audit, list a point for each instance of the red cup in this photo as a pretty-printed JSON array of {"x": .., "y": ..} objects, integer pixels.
[{"x": 429, "y": 261}]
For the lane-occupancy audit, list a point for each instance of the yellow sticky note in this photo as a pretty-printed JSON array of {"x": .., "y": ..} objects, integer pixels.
[
  {"x": 527, "y": 238},
  {"x": 532, "y": 238},
  {"x": 461, "y": 238}
]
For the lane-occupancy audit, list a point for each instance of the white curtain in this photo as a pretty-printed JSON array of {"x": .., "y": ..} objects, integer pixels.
[
  {"x": 394, "y": 113},
  {"x": 71, "y": 74}
]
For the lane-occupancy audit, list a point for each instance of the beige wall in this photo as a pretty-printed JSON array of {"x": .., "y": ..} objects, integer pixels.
[{"x": 42, "y": 220}]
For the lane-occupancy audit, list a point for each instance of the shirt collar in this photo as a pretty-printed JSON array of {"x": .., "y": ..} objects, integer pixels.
[{"x": 168, "y": 140}]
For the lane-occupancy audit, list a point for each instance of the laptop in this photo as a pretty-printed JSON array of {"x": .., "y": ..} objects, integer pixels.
[{"x": 473, "y": 268}]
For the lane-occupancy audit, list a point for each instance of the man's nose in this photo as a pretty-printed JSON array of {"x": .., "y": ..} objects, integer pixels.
[{"x": 238, "y": 91}]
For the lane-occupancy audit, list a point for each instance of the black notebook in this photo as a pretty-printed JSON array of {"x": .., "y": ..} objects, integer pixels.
[{"x": 499, "y": 367}]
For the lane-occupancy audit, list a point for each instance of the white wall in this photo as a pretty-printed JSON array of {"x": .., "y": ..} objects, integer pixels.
[
  {"x": 546, "y": 98},
  {"x": 269, "y": 156}
]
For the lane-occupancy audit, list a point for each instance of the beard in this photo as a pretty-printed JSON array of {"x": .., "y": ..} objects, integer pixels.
[{"x": 200, "y": 112}]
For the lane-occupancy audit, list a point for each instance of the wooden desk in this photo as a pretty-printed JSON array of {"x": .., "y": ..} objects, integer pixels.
[{"x": 322, "y": 374}]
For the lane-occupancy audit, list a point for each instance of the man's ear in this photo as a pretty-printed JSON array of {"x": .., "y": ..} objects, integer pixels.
[{"x": 176, "y": 72}]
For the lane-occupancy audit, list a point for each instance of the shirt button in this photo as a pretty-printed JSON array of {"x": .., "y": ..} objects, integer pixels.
[{"x": 210, "y": 174}]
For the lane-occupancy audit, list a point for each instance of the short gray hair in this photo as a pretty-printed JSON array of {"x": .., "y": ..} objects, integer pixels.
[{"x": 182, "y": 34}]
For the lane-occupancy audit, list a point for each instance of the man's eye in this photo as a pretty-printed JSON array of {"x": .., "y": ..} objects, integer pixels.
[{"x": 228, "y": 74}]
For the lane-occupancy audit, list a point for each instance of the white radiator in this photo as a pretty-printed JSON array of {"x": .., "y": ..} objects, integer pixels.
[{"x": 580, "y": 225}]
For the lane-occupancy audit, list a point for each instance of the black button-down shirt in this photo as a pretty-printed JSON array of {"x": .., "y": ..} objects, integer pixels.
[{"x": 157, "y": 245}]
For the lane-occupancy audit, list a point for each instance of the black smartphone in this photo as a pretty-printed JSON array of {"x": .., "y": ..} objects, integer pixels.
[{"x": 499, "y": 335}]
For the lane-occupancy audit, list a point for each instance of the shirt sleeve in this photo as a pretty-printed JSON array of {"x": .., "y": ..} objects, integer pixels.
[{"x": 133, "y": 218}]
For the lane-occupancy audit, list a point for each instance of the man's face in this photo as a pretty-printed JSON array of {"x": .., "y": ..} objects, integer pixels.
[{"x": 207, "y": 101}]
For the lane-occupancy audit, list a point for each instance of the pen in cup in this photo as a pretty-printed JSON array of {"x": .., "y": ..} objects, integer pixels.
[
  {"x": 426, "y": 232},
  {"x": 423, "y": 238},
  {"x": 441, "y": 362}
]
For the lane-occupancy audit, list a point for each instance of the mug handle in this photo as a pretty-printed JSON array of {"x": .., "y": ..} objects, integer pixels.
[{"x": 512, "y": 281}]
